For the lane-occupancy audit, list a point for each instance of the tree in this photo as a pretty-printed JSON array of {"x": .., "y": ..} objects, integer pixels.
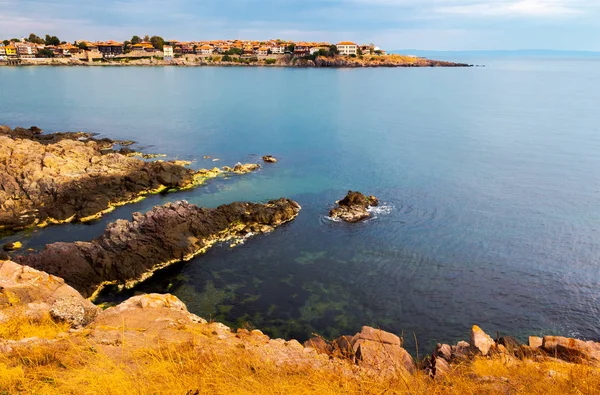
[
  {"x": 15, "y": 40},
  {"x": 52, "y": 40},
  {"x": 157, "y": 42},
  {"x": 45, "y": 53},
  {"x": 333, "y": 50},
  {"x": 226, "y": 58},
  {"x": 127, "y": 46},
  {"x": 135, "y": 40},
  {"x": 359, "y": 51},
  {"x": 35, "y": 39},
  {"x": 146, "y": 38},
  {"x": 291, "y": 47},
  {"x": 6, "y": 42},
  {"x": 83, "y": 46}
]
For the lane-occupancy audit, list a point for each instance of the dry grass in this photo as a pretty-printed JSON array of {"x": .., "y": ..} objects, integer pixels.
[
  {"x": 75, "y": 366},
  {"x": 21, "y": 327}
]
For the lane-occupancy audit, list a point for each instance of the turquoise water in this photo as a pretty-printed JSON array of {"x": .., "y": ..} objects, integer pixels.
[{"x": 490, "y": 180}]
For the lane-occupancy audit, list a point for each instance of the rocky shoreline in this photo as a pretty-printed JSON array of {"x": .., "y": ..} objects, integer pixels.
[
  {"x": 163, "y": 319},
  {"x": 280, "y": 61},
  {"x": 131, "y": 251},
  {"x": 65, "y": 177}
]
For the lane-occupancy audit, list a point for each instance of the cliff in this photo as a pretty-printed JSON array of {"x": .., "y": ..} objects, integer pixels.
[{"x": 53, "y": 341}]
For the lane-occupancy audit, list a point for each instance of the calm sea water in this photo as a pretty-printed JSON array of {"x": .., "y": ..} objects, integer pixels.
[{"x": 489, "y": 178}]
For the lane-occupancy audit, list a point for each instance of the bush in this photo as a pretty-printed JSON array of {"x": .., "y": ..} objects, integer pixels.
[
  {"x": 270, "y": 61},
  {"x": 227, "y": 58}
]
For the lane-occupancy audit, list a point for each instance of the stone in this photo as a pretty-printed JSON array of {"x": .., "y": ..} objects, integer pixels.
[
  {"x": 461, "y": 350},
  {"x": 33, "y": 293},
  {"x": 369, "y": 333},
  {"x": 535, "y": 342},
  {"x": 480, "y": 341},
  {"x": 12, "y": 246},
  {"x": 572, "y": 350},
  {"x": 130, "y": 251},
  {"x": 354, "y": 207},
  {"x": 443, "y": 351},
  {"x": 343, "y": 347},
  {"x": 269, "y": 159},
  {"x": 511, "y": 344},
  {"x": 383, "y": 357},
  {"x": 320, "y": 345},
  {"x": 72, "y": 311},
  {"x": 440, "y": 368}
]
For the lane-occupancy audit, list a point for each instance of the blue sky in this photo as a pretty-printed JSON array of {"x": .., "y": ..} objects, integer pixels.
[{"x": 391, "y": 24}]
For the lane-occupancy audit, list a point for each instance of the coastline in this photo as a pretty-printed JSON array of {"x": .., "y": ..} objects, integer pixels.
[{"x": 386, "y": 61}]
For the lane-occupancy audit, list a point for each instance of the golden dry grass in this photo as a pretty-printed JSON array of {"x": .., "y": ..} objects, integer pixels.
[{"x": 74, "y": 366}]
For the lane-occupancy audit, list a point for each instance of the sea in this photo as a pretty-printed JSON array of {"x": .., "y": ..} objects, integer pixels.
[{"x": 488, "y": 177}]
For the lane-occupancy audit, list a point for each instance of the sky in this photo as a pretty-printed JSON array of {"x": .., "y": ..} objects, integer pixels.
[{"x": 390, "y": 24}]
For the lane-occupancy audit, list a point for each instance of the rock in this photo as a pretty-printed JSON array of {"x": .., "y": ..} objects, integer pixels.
[
  {"x": 343, "y": 347},
  {"x": 535, "y": 342},
  {"x": 269, "y": 159},
  {"x": 320, "y": 345},
  {"x": 440, "y": 367},
  {"x": 130, "y": 251},
  {"x": 572, "y": 350},
  {"x": 12, "y": 246},
  {"x": 481, "y": 342},
  {"x": 72, "y": 311},
  {"x": 354, "y": 207},
  {"x": 443, "y": 351},
  {"x": 245, "y": 168},
  {"x": 377, "y": 335},
  {"x": 65, "y": 177},
  {"x": 461, "y": 350},
  {"x": 24, "y": 290},
  {"x": 382, "y": 357}
]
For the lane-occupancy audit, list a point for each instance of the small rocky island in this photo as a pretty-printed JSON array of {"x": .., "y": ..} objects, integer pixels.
[{"x": 354, "y": 207}]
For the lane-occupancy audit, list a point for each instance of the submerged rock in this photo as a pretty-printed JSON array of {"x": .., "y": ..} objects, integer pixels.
[
  {"x": 12, "y": 246},
  {"x": 130, "y": 251},
  {"x": 354, "y": 207},
  {"x": 269, "y": 159}
]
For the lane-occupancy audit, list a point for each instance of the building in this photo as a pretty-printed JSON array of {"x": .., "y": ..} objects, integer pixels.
[
  {"x": 26, "y": 50},
  {"x": 347, "y": 48},
  {"x": 206, "y": 50},
  {"x": 142, "y": 47},
  {"x": 262, "y": 51},
  {"x": 2, "y": 52},
  {"x": 302, "y": 49},
  {"x": 168, "y": 52},
  {"x": 278, "y": 49},
  {"x": 110, "y": 49},
  {"x": 11, "y": 51}
]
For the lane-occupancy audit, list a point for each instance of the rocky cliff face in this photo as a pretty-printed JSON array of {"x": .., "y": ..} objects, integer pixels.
[
  {"x": 130, "y": 251},
  {"x": 64, "y": 177}
]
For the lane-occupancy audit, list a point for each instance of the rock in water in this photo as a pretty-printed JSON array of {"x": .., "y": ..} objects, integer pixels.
[
  {"x": 130, "y": 251},
  {"x": 354, "y": 207},
  {"x": 269, "y": 159},
  {"x": 481, "y": 342},
  {"x": 12, "y": 246}
]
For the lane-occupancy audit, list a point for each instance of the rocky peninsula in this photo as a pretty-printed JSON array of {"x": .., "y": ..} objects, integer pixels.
[
  {"x": 130, "y": 251},
  {"x": 216, "y": 60},
  {"x": 64, "y": 177}
]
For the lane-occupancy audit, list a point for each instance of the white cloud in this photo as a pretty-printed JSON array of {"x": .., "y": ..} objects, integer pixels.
[{"x": 531, "y": 8}]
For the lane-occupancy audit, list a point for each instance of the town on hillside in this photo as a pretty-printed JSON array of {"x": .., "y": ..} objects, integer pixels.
[{"x": 51, "y": 46}]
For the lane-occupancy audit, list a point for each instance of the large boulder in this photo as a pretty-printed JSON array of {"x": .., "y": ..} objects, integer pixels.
[
  {"x": 572, "y": 350},
  {"x": 354, "y": 207},
  {"x": 481, "y": 342},
  {"x": 29, "y": 292},
  {"x": 130, "y": 251}
]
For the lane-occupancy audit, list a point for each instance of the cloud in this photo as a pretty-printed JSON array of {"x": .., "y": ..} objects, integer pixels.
[{"x": 527, "y": 8}]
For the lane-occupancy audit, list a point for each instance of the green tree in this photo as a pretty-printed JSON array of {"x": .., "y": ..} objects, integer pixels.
[
  {"x": 333, "y": 50},
  {"x": 127, "y": 46},
  {"x": 135, "y": 40},
  {"x": 359, "y": 51},
  {"x": 83, "y": 46},
  {"x": 15, "y": 40},
  {"x": 146, "y": 38},
  {"x": 291, "y": 47},
  {"x": 35, "y": 39},
  {"x": 6, "y": 42},
  {"x": 157, "y": 42},
  {"x": 45, "y": 53},
  {"x": 52, "y": 40},
  {"x": 226, "y": 58}
]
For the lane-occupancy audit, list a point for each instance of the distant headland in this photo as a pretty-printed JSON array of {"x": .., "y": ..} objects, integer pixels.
[{"x": 155, "y": 51}]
